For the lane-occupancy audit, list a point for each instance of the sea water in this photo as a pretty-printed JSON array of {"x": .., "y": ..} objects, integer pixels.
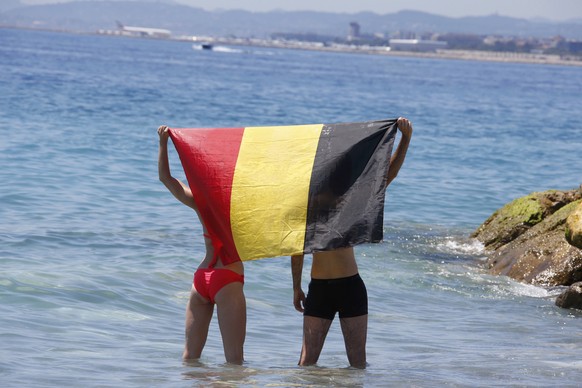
[{"x": 97, "y": 257}]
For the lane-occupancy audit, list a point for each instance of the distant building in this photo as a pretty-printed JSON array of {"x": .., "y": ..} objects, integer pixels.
[
  {"x": 354, "y": 33},
  {"x": 416, "y": 45},
  {"x": 575, "y": 47}
]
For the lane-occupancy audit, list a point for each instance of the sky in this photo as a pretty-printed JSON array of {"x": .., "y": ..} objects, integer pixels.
[{"x": 556, "y": 10}]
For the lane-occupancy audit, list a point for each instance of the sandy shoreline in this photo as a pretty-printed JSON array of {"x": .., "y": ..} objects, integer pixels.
[{"x": 470, "y": 55}]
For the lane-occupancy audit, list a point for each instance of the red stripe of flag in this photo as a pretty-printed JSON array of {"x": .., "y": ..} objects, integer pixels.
[{"x": 209, "y": 157}]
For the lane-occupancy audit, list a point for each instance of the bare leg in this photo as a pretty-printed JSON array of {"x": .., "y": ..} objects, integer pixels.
[
  {"x": 314, "y": 333},
  {"x": 198, "y": 315},
  {"x": 232, "y": 320},
  {"x": 355, "y": 330}
]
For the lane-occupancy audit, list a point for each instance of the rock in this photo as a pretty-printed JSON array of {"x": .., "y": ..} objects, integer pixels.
[
  {"x": 571, "y": 298},
  {"x": 541, "y": 255},
  {"x": 518, "y": 216},
  {"x": 574, "y": 227}
]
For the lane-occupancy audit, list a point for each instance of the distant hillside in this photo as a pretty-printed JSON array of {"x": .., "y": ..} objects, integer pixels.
[
  {"x": 89, "y": 16},
  {"x": 5, "y": 5}
]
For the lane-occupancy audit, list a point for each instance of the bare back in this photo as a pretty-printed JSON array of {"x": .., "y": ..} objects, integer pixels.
[{"x": 237, "y": 266}]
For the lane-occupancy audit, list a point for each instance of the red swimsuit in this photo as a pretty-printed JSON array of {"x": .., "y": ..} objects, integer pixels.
[{"x": 208, "y": 281}]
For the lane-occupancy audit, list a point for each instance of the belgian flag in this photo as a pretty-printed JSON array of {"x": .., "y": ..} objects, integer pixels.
[{"x": 287, "y": 190}]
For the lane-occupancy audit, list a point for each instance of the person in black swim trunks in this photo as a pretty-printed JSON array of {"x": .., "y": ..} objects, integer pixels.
[{"x": 336, "y": 287}]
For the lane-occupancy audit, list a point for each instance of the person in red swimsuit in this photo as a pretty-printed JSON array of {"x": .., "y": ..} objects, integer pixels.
[{"x": 215, "y": 282}]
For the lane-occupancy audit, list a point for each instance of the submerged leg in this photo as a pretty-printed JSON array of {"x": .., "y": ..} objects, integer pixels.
[
  {"x": 355, "y": 330},
  {"x": 314, "y": 333},
  {"x": 232, "y": 320},
  {"x": 198, "y": 316}
]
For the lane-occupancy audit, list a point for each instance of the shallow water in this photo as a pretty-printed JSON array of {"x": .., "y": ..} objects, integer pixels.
[{"x": 97, "y": 257}]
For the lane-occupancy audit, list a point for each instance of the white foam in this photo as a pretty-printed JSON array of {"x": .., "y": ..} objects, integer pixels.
[
  {"x": 223, "y": 49},
  {"x": 106, "y": 314},
  {"x": 565, "y": 364},
  {"x": 530, "y": 290},
  {"x": 468, "y": 247}
]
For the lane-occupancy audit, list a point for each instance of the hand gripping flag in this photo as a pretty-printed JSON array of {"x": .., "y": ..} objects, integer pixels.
[{"x": 286, "y": 190}]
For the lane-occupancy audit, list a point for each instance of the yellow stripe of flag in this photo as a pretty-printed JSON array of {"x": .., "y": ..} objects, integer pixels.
[{"x": 265, "y": 213}]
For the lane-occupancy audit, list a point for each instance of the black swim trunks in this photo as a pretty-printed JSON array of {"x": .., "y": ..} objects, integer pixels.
[{"x": 325, "y": 297}]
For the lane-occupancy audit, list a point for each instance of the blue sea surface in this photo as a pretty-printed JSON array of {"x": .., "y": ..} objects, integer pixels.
[{"x": 97, "y": 258}]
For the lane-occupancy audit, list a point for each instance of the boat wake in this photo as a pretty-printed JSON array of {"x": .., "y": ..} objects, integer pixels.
[{"x": 210, "y": 47}]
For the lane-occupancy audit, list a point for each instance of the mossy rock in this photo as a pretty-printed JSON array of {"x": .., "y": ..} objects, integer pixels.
[
  {"x": 541, "y": 255},
  {"x": 574, "y": 227},
  {"x": 518, "y": 216}
]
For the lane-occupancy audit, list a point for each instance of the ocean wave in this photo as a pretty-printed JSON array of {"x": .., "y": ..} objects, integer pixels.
[{"x": 463, "y": 246}]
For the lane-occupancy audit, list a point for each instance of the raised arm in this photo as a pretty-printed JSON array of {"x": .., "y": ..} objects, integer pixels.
[
  {"x": 397, "y": 159},
  {"x": 296, "y": 272},
  {"x": 180, "y": 190}
]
